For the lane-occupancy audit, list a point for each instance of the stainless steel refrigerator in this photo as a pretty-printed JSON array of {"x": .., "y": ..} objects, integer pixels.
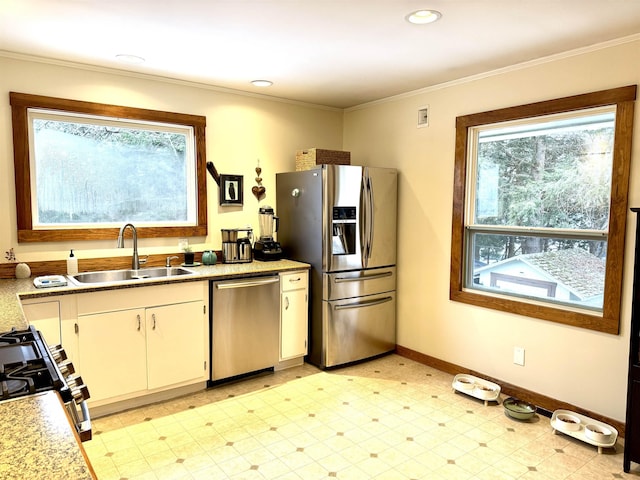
[{"x": 342, "y": 220}]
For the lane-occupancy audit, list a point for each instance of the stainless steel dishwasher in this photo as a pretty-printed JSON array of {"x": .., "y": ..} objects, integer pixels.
[{"x": 245, "y": 325}]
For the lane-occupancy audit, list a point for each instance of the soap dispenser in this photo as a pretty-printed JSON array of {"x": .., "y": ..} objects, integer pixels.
[{"x": 72, "y": 264}]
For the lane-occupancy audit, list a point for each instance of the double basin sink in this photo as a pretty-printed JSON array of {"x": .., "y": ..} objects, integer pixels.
[{"x": 119, "y": 276}]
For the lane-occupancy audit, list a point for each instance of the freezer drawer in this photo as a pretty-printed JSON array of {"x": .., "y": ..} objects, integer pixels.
[
  {"x": 358, "y": 328},
  {"x": 356, "y": 284}
]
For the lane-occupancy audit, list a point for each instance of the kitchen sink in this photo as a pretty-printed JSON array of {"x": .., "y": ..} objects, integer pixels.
[{"x": 117, "y": 276}]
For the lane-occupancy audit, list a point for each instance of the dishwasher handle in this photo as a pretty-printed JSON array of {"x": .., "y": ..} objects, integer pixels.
[{"x": 246, "y": 283}]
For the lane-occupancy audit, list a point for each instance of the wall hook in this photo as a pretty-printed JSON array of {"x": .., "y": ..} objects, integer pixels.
[{"x": 214, "y": 173}]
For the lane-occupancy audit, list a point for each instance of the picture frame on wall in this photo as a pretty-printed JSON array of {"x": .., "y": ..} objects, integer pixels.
[{"x": 231, "y": 189}]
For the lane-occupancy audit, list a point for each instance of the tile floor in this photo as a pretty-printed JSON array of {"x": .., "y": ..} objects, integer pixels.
[{"x": 387, "y": 419}]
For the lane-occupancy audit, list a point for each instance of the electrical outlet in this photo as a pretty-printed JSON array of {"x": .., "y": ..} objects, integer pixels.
[{"x": 518, "y": 355}]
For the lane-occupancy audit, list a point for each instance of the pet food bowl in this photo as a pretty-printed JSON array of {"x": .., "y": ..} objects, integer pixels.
[
  {"x": 464, "y": 383},
  {"x": 518, "y": 409},
  {"x": 566, "y": 422},
  {"x": 598, "y": 433},
  {"x": 484, "y": 392}
]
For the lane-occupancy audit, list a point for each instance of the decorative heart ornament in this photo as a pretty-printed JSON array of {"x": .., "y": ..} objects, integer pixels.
[{"x": 258, "y": 191}]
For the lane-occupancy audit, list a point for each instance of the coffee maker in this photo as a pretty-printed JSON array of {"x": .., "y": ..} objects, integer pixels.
[
  {"x": 236, "y": 245},
  {"x": 266, "y": 248}
]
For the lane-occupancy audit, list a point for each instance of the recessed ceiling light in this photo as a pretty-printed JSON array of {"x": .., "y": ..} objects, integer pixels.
[
  {"x": 422, "y": 17},
  {"x": 133, "y": 59},
  {"x": 261, "y": 83}
]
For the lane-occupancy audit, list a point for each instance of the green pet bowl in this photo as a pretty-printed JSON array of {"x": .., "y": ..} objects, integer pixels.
[{"x": 518, "y": 409}]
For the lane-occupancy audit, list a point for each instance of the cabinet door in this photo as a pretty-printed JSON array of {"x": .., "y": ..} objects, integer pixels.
[
  {"x": 175, "y": 344},
  {"x": 45, "y": 316},
  {"x": 112, "y": 353},
  {"x": 293, "y": 324}
]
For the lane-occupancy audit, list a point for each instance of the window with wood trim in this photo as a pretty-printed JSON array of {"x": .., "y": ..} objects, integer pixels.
[
  {"x": 84, "y": 169},
  {"x": 540, "y": 208}
]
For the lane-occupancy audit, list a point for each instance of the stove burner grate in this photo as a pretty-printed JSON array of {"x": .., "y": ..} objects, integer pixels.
[
  {"x": 17, "y": 387},
  {"x": 25, "y": 378}
]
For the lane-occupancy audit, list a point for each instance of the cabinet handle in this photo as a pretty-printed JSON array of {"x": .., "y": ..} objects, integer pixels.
[
  {"x": 286, "y": 303},
  {"x": 154, "y": 320},
  {"x": 293, "y": 280},
  {"x": 138, "y": 317},
  {"x": 76, "y": 329}
]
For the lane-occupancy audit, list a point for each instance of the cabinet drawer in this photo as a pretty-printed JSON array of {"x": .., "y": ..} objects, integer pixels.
[{"x": 294, "y": 280}]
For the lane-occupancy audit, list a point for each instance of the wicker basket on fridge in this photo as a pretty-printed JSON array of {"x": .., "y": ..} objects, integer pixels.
[{"x": 312, "y": 157}]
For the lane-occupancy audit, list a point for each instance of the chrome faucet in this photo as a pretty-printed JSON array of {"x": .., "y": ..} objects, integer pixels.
[{"x": 135, "y": 260}]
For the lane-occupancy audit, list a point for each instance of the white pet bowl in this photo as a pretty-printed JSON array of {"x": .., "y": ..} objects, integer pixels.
[
  {"x": 568, "y": 423},
  {"x": 464, "y": 383},
  {"x": 598, "y": 433},
  {"x": 484, "y": 392}
]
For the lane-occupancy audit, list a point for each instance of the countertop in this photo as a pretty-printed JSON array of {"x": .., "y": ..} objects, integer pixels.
[
  {"x": 37, "y": 441},
  {"x": 13, "y": 290}
]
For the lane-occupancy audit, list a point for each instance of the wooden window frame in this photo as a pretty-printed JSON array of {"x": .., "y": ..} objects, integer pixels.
[
  {"x": 21, "y": 102},
  {"x": 608, "y": 321}
]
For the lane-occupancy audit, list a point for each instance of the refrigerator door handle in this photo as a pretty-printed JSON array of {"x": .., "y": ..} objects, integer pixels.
[
  {"x": 369, "y": 215},
  {"x": 366, "y": 218},
  {"x": 364, "y": 277},
  {"x": 363, "y": 304},
  {"x": 363, "y": 222}
]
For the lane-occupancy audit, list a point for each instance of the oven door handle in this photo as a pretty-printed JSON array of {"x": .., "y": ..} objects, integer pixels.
[
  {"x": 84, "y": 429},
  {"x": 369, "y": 303},
  {"x": 82, "y": 425}
]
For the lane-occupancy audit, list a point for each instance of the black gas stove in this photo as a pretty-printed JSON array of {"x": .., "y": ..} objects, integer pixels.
[{"x": 28, "y": 366}]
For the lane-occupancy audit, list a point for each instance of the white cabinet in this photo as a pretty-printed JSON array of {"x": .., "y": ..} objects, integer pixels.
[
  {"x": 112, "y": 353},
  {"x": 132, "y": 342},
  {"x": 44, "y": 314},
  {"x": 293, "y": 314},
  {"x": 175, "y": 344}
]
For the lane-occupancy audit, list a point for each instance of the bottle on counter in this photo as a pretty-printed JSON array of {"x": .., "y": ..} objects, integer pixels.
[{"x": 72, "y": 264}]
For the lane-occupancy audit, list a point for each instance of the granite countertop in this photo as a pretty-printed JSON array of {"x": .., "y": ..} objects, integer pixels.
[
  {"x": 13, "y": 290},
  {"x": 37, "y": 441}
]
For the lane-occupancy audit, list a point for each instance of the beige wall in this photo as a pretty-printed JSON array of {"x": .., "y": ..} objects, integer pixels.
[
  {"x": 581, "y": 367},
  {"x": 240, "y": 130}
]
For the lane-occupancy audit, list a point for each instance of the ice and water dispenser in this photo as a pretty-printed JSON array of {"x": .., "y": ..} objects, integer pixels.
[{"x": 344, "y": 231}]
